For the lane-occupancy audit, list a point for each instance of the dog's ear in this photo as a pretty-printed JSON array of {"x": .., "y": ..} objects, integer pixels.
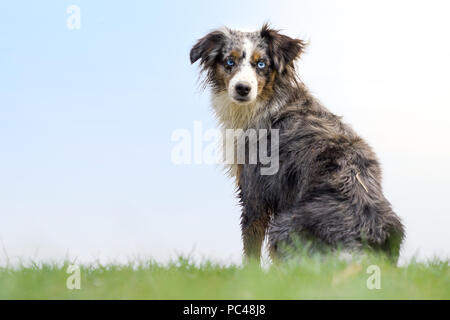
[
  {"x": 208, "y": 48},
  {"x": 283, "y": 50}
]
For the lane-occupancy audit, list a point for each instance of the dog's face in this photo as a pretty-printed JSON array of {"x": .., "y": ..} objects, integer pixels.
[{"x": 245, "y": 64}]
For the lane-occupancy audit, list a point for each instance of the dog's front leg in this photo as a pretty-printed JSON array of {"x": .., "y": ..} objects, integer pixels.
[{"x": 253, "y": 225}]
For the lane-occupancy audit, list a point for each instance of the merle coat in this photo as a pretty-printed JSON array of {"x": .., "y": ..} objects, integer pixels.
[{"x": 327, "y": 192}]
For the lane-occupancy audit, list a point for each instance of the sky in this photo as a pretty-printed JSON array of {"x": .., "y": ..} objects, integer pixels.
[{"x": 87, "y": 117}]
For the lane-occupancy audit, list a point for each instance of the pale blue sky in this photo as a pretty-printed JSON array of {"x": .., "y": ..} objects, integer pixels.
[{"x": 86, "y": 118}]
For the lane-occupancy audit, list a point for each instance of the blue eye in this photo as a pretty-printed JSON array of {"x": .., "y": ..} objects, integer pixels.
[
  {"x": 230, "y": 62},
  {"x": 261, "y": 65}
]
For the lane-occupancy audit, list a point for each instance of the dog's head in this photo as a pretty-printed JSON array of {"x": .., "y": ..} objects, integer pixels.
[{"x": 246, "y": 64}]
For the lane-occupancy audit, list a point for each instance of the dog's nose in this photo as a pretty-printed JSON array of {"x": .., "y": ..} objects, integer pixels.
[{"x": 243, "y": 88}]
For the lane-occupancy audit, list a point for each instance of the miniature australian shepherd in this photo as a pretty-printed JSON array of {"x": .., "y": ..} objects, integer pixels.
[{"x": 327, "y": 192}]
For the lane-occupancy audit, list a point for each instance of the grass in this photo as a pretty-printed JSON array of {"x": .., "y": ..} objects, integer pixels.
[{"x": 312, "y": 278}]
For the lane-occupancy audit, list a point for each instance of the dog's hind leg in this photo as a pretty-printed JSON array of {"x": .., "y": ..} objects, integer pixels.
[
  {"x": 287, "y": 238},
  {"x": 313, "y": 227}
]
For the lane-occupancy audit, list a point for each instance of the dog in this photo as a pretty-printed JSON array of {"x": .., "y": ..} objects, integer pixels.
[{"x": 327, "y": 192}]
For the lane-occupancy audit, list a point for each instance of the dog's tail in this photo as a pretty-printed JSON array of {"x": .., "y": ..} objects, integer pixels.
[{"x": 380, "y": 228}]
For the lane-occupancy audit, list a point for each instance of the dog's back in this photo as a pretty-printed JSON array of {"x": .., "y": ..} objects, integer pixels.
[{"x": 327, "y": 191}]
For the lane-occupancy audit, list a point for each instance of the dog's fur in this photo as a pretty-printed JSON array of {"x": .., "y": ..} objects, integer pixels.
[{"x": 327, "y": 191}]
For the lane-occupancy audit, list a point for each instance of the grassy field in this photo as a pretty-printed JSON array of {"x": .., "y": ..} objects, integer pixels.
[{"x": 312, "y": 278}]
